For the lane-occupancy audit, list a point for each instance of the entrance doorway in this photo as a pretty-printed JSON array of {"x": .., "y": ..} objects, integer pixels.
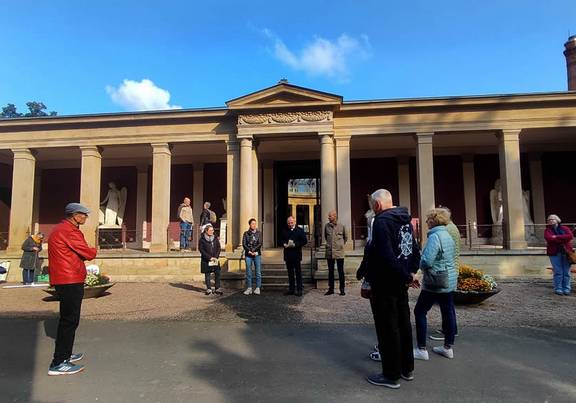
[{"x": 297, "y": 193}]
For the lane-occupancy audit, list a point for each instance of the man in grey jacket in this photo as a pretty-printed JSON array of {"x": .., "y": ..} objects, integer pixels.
[{"x": 336, "y": 237}]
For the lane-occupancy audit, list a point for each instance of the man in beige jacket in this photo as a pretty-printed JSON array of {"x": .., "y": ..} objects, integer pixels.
[{"x": 336, "y": 237}]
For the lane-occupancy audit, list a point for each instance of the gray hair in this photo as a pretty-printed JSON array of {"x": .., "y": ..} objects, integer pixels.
[
  {"x": 383, "y": 196},
  {"x": 554, "y": 217}
]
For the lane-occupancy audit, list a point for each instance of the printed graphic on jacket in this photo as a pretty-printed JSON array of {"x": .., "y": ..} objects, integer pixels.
[{"x": 406, "y": 242}]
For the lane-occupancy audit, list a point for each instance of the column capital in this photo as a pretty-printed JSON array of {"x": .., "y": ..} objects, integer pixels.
[
  {"x": 91, "y": 151},
  {"x": 424, "y": 137},
  {"x": 241, "y": 136},
  {"x": 246, "y": 142},
  {"x": 342, "y": 141},
  {"x": 326, "y": 133},
  {"x": 232, "y": 145},
  {"x": 161, "y": 148},
  {"x": 509, "y": 134},
  {"x": 24, "y": 153}
]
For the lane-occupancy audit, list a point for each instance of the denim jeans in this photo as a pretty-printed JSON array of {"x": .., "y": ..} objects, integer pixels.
[
  {"x": 561, "y": 268},
  {"x": 446, "y": 302},
  {"x": 27, "y": 276},
  {"x": 185, "y": 232},
  {"x": 257, "y": 268}
]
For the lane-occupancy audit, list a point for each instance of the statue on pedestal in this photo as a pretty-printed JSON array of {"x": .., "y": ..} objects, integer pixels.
[
  {"x": 111, "y": 213},
  {"x": 497, "y": 212}
]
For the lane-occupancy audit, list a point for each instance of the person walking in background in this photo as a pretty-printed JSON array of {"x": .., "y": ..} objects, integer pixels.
[
  {"x": 438, "y": 285},
  {"x": 209, "y": 247},
  {"x": 207, "y": 216},
  {"x": 336, "y": 237},
  {"x": 558, "y": 245},
  {"x": 31, "y": 261},
  {"x": 390, "y": 260},
  {"x": 293, "y": 239},
  {"x": 186, "y": 217},
  {"x": 67, "y": 251},
  {"x": 252, "y": 244}
]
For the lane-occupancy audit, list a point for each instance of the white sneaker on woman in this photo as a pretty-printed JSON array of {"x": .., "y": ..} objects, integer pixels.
[
  {"x": 446, "y": 352},
  {"x": 420, "y": 354},
  {"x": 248, "y": 291},
  {"x": 257, "y": 291}
]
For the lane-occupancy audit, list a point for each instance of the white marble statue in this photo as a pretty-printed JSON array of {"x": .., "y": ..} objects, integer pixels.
[
  {"x": 497, "y": 212},
  {"x": 112, "y": 208}
]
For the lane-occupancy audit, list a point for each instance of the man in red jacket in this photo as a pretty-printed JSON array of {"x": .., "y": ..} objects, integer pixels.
[{"x": 67, "y": 251}]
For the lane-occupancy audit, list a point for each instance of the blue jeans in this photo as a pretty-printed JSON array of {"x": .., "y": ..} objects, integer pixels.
[
  {"x": 561, "y": 268},
  {"x": 446, "y": 302},
  {"x": 185, "y": 232},
  {"x": 257, "y": 268},
  {"x": 27, "y": 276}
]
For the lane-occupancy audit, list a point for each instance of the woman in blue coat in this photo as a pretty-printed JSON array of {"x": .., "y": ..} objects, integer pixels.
[{"x": 439, "y": 281}]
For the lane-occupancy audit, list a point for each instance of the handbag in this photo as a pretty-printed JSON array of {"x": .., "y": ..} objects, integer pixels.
[
  {"x": 436, "y": 280},
  {"x": 571, "y": 255}
]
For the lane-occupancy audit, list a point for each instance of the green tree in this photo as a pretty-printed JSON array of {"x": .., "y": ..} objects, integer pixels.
[{"x": 35, "y": 109}]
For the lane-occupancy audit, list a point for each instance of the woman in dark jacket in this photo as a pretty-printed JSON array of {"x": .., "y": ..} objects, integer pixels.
[
  {"x": 209, "y": 246},
  {"x": 558, "y": 242},
  {"x": 30, "y": 261}
]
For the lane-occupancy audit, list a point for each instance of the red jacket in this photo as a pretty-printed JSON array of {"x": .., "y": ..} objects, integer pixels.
[
  {"x": 67, "y": 251},
  {"x": 555, "y": 242}
]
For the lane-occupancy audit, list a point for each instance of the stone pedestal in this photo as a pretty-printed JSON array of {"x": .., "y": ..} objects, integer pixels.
[{"x": 223, "y": 229}]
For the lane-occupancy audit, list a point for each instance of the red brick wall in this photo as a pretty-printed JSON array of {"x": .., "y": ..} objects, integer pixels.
[
  {"x": 559, "y": 189},
  {"x": 449, "y": 186}
]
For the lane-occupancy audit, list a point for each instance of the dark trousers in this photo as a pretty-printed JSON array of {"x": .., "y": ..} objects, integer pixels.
[
  {"x": 446, "y": 302},
  {"x": 341, "y": 279},
  {"x": 27, "y": 276},
  {"x": 216, "y": 279},
  {"x": 392, "y": 320},
  {"x": 70, "y": 296},
  {"x": 294, "y": 275}
]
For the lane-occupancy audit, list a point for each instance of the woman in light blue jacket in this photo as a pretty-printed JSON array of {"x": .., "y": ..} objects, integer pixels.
[{"x": 438, "y": 284}]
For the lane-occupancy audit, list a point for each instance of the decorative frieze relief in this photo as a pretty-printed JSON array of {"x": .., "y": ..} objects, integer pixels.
[{"x": 285, "y": 118}]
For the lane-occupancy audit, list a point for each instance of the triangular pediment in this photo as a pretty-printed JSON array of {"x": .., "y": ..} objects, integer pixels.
[{"x": 284, "y": 95}]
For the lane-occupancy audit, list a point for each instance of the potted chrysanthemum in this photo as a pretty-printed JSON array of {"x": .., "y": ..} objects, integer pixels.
[
  {"x": 474, "y": 286},
  {"x": 95, "y": 285}
]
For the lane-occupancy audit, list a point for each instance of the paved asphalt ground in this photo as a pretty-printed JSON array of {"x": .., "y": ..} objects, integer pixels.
[{"x": 184, "y": 361}]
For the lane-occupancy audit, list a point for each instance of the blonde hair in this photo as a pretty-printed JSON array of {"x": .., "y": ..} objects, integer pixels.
[{"x": 439, "y": 216}]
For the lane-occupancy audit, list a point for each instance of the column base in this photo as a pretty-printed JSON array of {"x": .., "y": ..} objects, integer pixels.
[
  {"x": 158, "y": 248},
  {"x": 515, "y": 245}
]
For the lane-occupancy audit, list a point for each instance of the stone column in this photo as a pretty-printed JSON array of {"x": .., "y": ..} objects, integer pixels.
[
  {"x": 90, "y": 177},
  {"x": 246, "y": 185},
  {"x": 425, "y": 174},
  {"x": 23, "y": 170},
  {"x": 198, "y": 198},
  {"x": 141, "y": 205},
  {"x": 469, "y": 195},
  {"x": 36, "y": 206},
  {"x": 344, "y": 185},
  {"x": 537, "y": 186},
  {"x": 268, "y": 208},
  {"x": 161, "y": 167},
  {"x": 327, "y": 177},
  {"x": 404, "y": 182},
  {"x": 513, "y": 230},
  {"x": 255, "y": 184},
  {"x": 232, "y": 193}
]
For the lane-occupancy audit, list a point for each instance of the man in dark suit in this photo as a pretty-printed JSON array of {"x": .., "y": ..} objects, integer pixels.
[{"x": 293, "y": 239}]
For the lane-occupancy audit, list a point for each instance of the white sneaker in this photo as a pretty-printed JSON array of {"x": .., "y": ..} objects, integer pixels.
[
  {"x": 257, "y": 291},
  {"x": 420, "y": 354},
  {"x": 446, "y": 352},
  {"x": 248, "y": 291}
]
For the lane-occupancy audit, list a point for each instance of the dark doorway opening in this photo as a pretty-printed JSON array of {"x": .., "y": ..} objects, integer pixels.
[{"x": 297, "y": 193}]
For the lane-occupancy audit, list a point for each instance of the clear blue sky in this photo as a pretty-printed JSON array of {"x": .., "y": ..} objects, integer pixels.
[{"x": 75, "y": 55}]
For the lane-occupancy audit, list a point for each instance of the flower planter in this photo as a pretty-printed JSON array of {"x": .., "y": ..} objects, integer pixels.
[
  {"x": 89, "y": 292},
  {"x": 473, "y": 297}
]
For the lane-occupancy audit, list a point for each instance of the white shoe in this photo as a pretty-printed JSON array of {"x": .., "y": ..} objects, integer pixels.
[
  {"x": 257, "y": 291},
  {"x": 375, "y": 356},
  {"x": 420, "y": 354},
  {"x": 446, "y": 352},
  {"x": 248, "y": 291}
]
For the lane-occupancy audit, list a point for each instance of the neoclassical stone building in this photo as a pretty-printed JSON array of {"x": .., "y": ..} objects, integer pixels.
[{"x": 426, "y": 151}]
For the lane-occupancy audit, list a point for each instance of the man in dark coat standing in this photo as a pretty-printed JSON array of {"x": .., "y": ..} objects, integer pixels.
[
  {"x": 391, "y": 259},
  {"x": 293, "y": 239}
]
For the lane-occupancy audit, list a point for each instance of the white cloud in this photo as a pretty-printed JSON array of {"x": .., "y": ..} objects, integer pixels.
[
  {"x": 140, "y": 96},
  {"x": 322, "y": 56}
]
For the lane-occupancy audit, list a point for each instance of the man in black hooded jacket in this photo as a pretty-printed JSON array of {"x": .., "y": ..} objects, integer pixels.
[{"x": 391, "y": 258}]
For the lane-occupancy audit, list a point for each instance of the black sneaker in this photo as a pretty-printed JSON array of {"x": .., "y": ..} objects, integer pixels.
[
  {"x": 329, "y": 292},
  {"x": 381, "y": 380},
  {"x": 408, "y": 376},
  {"x": 289, "y": 292},
  {"x": 342, "y": 293}
]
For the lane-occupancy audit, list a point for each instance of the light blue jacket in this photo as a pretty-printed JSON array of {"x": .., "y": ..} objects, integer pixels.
[{"x": 438, "y": 255}]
